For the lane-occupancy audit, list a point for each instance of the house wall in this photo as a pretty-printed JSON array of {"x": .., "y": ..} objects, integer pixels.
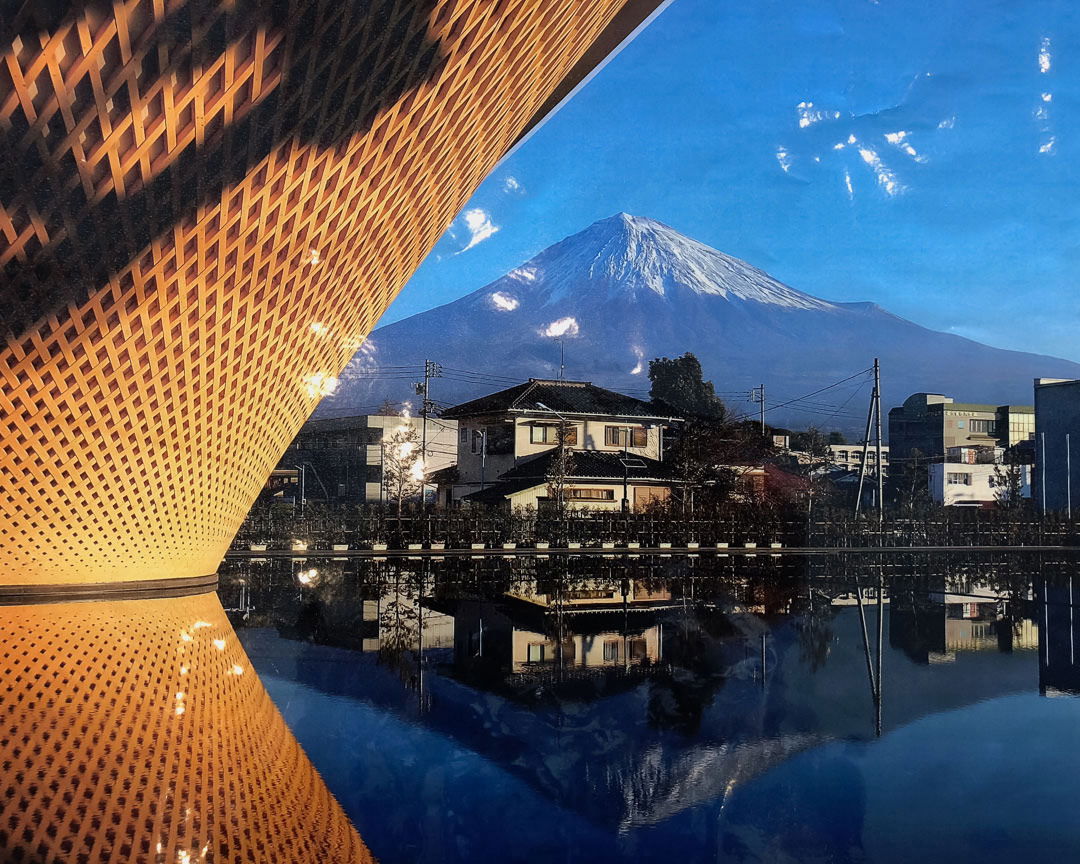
[
  {"x": 531, "y": 497},
  {"x": 516, "y": 432},
  {"x": 980, "y": 490}
]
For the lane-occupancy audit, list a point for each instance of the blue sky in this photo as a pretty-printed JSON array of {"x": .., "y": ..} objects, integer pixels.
[{"x": 921, "y": 156}]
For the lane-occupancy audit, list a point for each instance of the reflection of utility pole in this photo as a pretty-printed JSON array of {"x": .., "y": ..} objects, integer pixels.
[
  {"x": 874, "y": 676},
  {"x": 757, "y": 395}
]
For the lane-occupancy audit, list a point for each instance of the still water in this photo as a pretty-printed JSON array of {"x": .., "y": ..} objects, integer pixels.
[{"x": 765, "y": 708}]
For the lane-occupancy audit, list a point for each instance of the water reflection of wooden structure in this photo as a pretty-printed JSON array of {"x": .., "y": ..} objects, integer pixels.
[{"x": 137, "y": 731}]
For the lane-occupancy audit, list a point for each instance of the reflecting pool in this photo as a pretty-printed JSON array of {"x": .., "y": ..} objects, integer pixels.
[{"x": 714, "y": 708}]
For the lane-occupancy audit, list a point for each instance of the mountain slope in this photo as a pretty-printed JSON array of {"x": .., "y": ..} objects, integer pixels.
[{"x": 627, "y": 289}]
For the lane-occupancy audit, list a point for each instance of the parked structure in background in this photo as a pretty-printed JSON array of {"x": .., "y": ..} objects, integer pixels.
[
  {"x": 932, "y": 423},
  {"x": 850, "y": 456},
  {"x": 971, "y": 484},
  {"x": 340, "y": 460},
  {"x": 507, "y": 443},
  {"x": 1057, "y": 413}
]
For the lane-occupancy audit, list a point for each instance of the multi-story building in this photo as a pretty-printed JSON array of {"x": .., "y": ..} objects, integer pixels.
[
  {"x": 932, "y": 423},
  {"x": 508, "y": 440},
  {"x": 850, "y": 457},
  {"x": 1057, "y": 413},
  {"x": 341, "y": 459}
]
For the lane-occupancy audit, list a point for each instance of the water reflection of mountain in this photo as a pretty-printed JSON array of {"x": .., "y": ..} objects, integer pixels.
[{"x": 629, "y": 701}]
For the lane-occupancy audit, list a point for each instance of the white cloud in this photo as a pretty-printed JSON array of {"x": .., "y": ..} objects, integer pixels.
[
  {"x": 1048, "y": 146},
  {"x": 562, "y": 327},
  {"x": 512, "y": 184},
  {"x": 525, "y": 274},
  {"x": 947, "y": 123},
  {"x": 1044, "y": 55},
  {"x": 848, "y": 186},
  {"x": 480, "y": 227},
  {"x": 886, "y": 178},
  {"x": 639, "y": 367},
  {"x": 784, "y": 158},
  {"x": 503, "y": 301},
  {"x": 808, "y": 115},
  {"x": 900, "y": 141},
  {"x": 1047, "y": 97}
]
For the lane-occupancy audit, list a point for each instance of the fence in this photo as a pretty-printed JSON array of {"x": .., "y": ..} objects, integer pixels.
[{"x": 735, "y": 525}]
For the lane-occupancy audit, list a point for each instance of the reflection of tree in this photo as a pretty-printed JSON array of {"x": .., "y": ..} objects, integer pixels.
[
  {"x": 400, "y": 623},
  {"x": 813, "y": 624}
]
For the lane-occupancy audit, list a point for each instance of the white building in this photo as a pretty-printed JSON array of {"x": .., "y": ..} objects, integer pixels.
[
  {"x": 850, "y": 456},
  {"x": 960, "y": 484}
]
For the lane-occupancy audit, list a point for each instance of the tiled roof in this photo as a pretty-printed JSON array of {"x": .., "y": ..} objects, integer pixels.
[
  {"x": 565, "y": 397},
  {"x": 590, "y": 465}
]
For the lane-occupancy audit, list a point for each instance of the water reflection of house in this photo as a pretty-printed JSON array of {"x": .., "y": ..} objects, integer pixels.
[
  {"x": 542, "y": 629},
  {"x": 935, "y": 626}
]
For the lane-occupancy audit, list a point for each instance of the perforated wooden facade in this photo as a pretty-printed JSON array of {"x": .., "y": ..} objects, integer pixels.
[{"x": 204, "y": 208}]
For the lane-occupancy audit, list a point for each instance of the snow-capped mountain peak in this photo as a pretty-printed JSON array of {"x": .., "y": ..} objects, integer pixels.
[{"x": 626, "y": 255}]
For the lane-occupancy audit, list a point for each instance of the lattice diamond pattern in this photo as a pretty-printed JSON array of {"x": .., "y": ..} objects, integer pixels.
[
  {"x": 137, "y": 731},
  {"x": 207, "y": 206}
]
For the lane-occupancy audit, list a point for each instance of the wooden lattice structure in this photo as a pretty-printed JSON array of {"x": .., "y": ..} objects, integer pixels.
[{"x": 204, "y": 207}]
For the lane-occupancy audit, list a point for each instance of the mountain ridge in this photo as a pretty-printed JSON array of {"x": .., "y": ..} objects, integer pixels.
[{"x": 627, "y": 288}]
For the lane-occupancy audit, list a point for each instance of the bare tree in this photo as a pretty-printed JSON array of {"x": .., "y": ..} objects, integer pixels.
[
  {"x": 1008, "y": 484},
  {"x": 562, "y": 468},
  {"x": 403, "y": 465}
]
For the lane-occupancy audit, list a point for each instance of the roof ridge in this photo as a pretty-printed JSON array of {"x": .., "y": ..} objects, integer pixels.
[{"x": 531, "y": 385}]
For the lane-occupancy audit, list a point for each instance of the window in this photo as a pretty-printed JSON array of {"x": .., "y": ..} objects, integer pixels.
[
  {"x": 591, "y": 494},
  {"x": 615, "y": 436},
  {"x": 958, "y": 478},
  {"x": 959, "y": 424},
  {"x": 477, "y": 441},
  {"x": 982, "y": 427},
  {"x": 463, "y": 435},
  {"x": 639, "y": 649},
  {"x": 611, "y": 651},
  {"x": 535, "y": 652},
  {"x": 548, "y": 433}
]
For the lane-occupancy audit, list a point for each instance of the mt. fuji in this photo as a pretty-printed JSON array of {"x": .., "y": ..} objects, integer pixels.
[{"x": 628, "y": 289}]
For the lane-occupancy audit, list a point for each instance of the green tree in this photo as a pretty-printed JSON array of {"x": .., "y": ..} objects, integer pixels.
[{"x": 678, "y": 384}]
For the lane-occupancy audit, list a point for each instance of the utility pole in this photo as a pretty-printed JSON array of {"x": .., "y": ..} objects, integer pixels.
[
  {"x": 874, "y": 408},
  {"x": 757, "y": 395},
  {"x": 483, "y": 455},
  {"x": 877, "y": 440},
  {"x": 431, "y": 370}
]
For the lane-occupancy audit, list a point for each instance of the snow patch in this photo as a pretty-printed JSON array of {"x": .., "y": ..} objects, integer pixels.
[{"x": 567, "y": 326}]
